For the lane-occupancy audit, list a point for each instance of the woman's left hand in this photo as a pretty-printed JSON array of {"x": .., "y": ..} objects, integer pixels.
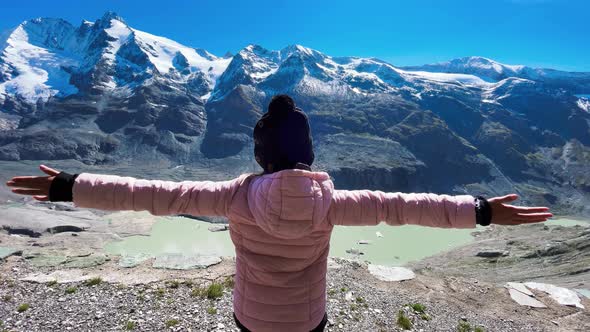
[
  {"x": 36, "y": 186},
  {"x": 506, "y": 214}
]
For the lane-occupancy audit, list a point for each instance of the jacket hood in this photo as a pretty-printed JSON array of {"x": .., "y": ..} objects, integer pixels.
[{"x": 289, "y": 204}]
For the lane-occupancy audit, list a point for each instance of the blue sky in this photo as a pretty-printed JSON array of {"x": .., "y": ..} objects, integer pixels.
[{"x": 545, "y": 33}]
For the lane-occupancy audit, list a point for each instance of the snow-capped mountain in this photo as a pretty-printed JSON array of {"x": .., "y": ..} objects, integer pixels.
[
  {"x": 299, "y": 69},
  {"x": 103, "y": 91},
  {"x": 492, "y": 71},
  {"x": 46, "y": 57},
  {"x": 487, "y": 69}
]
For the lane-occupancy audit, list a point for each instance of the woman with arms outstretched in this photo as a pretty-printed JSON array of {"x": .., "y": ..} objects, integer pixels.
[{"x": 280, "y": 220}]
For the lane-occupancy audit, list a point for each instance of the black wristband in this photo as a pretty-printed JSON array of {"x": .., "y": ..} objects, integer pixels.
[
  {"x": 483, "y": 211},
  {"x": 61, "y": 187}
]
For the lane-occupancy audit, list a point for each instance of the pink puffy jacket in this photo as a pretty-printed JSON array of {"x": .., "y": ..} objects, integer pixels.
[{"x": 280, "y": 224}]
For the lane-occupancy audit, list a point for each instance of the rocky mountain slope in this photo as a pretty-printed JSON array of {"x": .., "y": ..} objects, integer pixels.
[{"x": 103, "y": 92}]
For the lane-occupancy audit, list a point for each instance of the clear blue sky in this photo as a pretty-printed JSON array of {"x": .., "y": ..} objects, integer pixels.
[{"x": 547, "y": 33}]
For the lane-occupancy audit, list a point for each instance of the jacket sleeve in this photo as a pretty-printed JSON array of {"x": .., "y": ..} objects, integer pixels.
[
  {"x": 199, "y": 198},
  {"x": 365, "y": 207}
]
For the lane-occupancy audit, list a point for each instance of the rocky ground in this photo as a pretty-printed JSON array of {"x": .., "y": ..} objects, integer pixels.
[
  {"x": 185, "y": 301},
  {"x": 551, "y": 254}
]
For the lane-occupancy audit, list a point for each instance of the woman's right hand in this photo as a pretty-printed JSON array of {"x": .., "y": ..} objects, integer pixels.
[
  {"x": 506, "y": 214},
  {"x": 36, "y": 186}
]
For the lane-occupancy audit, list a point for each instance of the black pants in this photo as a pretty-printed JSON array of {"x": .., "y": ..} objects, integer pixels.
[{"x": 318, "y": 328}]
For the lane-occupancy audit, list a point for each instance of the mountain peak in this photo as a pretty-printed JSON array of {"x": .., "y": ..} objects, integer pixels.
[
  {"x": 108, "y": 16},
  {"x": 296, "y": 48}
]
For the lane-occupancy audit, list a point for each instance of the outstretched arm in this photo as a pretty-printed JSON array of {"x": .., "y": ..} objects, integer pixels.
[
  {"x": 109, "y": 192},
  {"x": 365, "y": 207}
]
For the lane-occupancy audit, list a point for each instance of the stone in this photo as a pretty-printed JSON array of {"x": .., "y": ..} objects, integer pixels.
[
  {"x": 47, "y": 260},
  {"x": 61, "y": 276},
  {"x": 387, "y": 273},
  {"x": 133, "y": 260},
  {"x": 218, "y": 228},
  {"x": 348, "y": 296},
  {"x": 364, "y": 242},
  {"x": 88, "y": 261},
  {"x": 519, "y": 287},
  {"x": 524, "y": 299},
  {"x": 492, "y": 253},
  {"x": 6, "y": 251},
  {"x": 182, "y": 262},
  {"x": 561, "y": 295},
  {"x": 378, "y": 234},
  {"x": 64, "y": 228},
  {"x": 354, "y": 251}
]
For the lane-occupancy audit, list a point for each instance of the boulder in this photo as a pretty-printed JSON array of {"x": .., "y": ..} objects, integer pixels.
[
  {"x": 561, "y": 295},
  {"x": 524, "y": 299},
  {"x": 133, "y": 260},
  {"x": 387, "y": 273},
  {"x": 182, "y": 262},
  {"x": 354, "y": 251},
  {"x": 218, "y": 228},
  {"x": 492, "y": 253}
]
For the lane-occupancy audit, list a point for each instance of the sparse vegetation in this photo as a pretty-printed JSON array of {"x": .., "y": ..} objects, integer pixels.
[
  {"x": 172, "y": 322},
  {"x": 331, "y": 292},
  {"x": 188, "y": 283},
  {"x": 71, "y": 290},
  {"x": 93, "y": 282},
  {"x": 52, "y": 283},
  {"x": 419, "y": 308},
  {"x": 403, "y": 321},
  {"x": 463, "y": 326},
  {"x": 343, "y": 289},
  {"x": 129, "y": 326},
  {"x": 160, "y": 292},
  {"x": 212, "y": 310},
  {"x": 23, "y": 307},
  {"x": 229, "y": 282},
  {"x": 214, "y": 291},
  {"x": 359, "y": 299},
  {"x": 6, "y": 298},
  {"x": 173, "y": 284},
  {"x": 197, "y": 292},
  {"x": 425, "y": 316}
]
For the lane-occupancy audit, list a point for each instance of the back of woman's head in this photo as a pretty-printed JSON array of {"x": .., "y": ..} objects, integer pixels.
[{"x": 282, "y": 137}]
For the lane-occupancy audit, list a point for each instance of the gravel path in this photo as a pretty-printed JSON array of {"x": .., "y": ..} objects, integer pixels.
[{"x": 356, "y": 302}]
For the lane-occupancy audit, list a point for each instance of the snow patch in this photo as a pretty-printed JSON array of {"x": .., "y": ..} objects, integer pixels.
[
  {"x": 463, "y": 79},
  {"x": 164, "y": 50},
  {"x": 584, "y": 104},
  {"x": 40, "y": 73}
]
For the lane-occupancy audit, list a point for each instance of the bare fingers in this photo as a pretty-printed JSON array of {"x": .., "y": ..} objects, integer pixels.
[
  {"x": 22, "y": 191},
  {"x": 48, "y": 170},
  {"x": 525, "y": 218},
  {"x": 527, "y": 209},
  {"x": 29, "y": 181}
]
